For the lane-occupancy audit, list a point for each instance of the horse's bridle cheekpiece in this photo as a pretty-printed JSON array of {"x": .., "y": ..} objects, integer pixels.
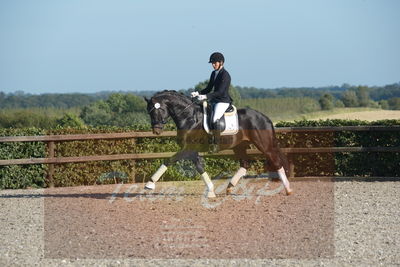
[{"x": 156, "y": 123}]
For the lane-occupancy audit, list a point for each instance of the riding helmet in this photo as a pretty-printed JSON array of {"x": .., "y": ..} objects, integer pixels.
[{"x": 215, "y": 57}]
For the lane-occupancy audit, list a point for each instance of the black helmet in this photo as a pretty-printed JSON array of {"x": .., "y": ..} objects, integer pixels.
[{"x": 215, "y": 57}]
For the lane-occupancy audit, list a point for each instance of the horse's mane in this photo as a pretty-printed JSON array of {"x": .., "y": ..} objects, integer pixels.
[{"x": 172, "y": 93}]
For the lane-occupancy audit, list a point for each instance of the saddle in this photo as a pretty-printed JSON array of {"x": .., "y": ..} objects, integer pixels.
[{"x": 229, "y": 121}]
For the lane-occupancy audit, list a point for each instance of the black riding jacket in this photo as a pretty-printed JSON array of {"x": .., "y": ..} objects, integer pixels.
[{"x": 221, "y": 87}]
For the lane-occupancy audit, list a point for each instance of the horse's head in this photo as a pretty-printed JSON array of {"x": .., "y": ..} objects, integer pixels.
[
  {"x": 169, "y": 103},
  {"x": 158, "y": 112}
]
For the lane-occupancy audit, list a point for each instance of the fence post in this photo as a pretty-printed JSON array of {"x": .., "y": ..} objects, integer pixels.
[
  {"x": 50, "y": 171},
  {"x": 133, "y": 175}
]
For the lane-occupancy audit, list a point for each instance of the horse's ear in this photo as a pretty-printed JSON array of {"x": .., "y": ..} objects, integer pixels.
[{"x": 147, "y": 100}]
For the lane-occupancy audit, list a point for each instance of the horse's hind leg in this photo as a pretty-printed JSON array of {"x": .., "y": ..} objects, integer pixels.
[
  {"x": 235, "y": 178},
  {"x": 240, "y": 153},
  {"x": 276, "y": 163}
]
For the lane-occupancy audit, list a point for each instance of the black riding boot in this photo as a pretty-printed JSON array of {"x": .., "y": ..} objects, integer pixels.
[{"x": 216, "y": 136}]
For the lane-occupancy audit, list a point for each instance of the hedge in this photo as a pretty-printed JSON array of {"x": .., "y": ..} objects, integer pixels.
[
  {"x": 22, "y": 176},
  {"x": 344, "y": 164},
  {"x": 102, "y": 172}
]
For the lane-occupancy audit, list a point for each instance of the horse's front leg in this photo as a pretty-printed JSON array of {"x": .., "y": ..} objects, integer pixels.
[
  {"x": 184, "y": 154},
  {"x": 199, "y": 163},
  {"x": 151, "y": 185}
]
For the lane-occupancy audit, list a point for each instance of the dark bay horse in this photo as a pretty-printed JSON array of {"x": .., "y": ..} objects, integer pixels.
[{"x": 254, "y": 128}]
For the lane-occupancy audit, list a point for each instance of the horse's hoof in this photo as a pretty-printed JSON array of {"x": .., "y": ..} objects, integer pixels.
[
  {"x": 229, "y": 190},
  {"x": 289, "y": 192},
  {"x": 150, "y": 186},
  {"x": 211, "y": 195}
]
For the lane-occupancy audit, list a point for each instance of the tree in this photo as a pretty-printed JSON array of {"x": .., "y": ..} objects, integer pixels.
[
  {"x": 118, "y": 110},
  {"x": 96, "y": 114},
  {"x": 117, "y": 103},
  {"x": 394, "y": 103},
  {"x": 339, "y": 103},
  {"x": 326, "y": 102},
  {"x": 350, "y": 99},
  {"x": 363, "y": 96},
  {"x": 384, "y": 104},
  {"x": 70, "y": 120},
  {"x": 135, "y": 103}
]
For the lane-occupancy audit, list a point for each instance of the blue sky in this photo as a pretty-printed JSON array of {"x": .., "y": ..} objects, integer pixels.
[{"x": 96, "y": 45}]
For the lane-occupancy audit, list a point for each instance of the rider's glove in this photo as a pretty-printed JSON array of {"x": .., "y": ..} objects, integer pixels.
[
  {"x": 194, "y": 94},
  {"x": 202, "y": 97}
]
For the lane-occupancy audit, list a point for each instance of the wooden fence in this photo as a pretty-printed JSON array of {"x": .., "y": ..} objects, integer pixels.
[{"x": 52, "y": 140}]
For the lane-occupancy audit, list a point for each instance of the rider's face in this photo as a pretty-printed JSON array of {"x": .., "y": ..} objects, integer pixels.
[{"x": 217, "y": 65}]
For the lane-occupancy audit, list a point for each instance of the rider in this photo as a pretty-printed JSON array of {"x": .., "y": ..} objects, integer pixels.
[{"x": 220, "y": 99}]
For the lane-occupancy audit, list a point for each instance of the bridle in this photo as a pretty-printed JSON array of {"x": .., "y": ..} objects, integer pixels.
[{"x": 155, "y": 124}]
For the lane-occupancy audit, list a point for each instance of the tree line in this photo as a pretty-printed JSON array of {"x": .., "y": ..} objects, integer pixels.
[
  {"x": 376, "y": 92},
  {"x": 126, "y": 108},
  {"x": 20, "y": 99}
]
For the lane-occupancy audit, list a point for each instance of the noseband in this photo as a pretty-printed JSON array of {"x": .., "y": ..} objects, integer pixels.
[{"x": 157, "y": 124}]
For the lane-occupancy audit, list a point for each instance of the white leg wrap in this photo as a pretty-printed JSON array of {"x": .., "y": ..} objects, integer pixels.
[
  {"x": 156, "y": 176},
  {"x": 239, "y": 174},
  {"x": 209, "y": 184},
  {"x": 282, "y": 176}
]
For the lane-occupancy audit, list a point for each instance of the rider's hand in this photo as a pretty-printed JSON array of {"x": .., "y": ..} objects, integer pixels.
[
  {"x": 194, "y": 94},
  {"x": 202, "y": 97}
]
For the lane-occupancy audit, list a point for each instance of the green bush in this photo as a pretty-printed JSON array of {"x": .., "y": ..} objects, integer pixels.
[
  {"x": 343, "y": 164},
  {"x": 22, "y": 176}
]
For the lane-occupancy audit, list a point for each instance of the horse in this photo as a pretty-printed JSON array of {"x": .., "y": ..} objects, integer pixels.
[{"x": 254, "y": 128}]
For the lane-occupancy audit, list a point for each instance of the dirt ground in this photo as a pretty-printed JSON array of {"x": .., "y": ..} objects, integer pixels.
[
  {"x": 177, "y": 221},
  {"x": 111, "y": 225}
]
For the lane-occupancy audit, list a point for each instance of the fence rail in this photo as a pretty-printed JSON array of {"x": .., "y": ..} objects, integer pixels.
[{"x": 51, "y": 141}]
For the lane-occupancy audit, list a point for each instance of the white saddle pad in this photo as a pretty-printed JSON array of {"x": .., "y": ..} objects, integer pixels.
[{"x": 231, "y": 121}]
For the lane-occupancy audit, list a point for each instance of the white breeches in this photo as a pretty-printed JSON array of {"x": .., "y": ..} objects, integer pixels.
[{"x": 219, "y": 110}]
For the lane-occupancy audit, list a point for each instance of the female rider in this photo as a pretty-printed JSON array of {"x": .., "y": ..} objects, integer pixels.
[{"x": 220, "y": 99}]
